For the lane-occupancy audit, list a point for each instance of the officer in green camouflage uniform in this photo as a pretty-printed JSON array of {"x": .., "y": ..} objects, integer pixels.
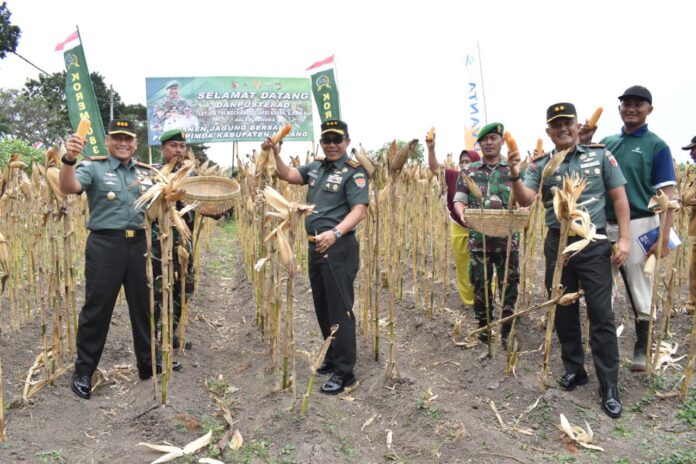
[
  {"x": 492, "y": 176},
  {"x": 173, "y": 148},
  {"x": 116, "y": 247}
]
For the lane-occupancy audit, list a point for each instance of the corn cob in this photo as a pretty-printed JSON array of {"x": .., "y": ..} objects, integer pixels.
[
  {"x": 402, "y": 155},
  {"x": 539, "y": 148},
  {"x": 285, "y": 130},
  {"x": 592, "y": 122},
  {"x": 510, "y": 142},
  {"x": 83, "y": 128},
  {"x": 431, "y": 135},
  {"x": 365, "y": 162}
]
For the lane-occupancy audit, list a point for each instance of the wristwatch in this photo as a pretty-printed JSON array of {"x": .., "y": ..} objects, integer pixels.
[
  {"x": 514, "y": 178},
  {"x": 69, "y": 162},
  {"x": 337, "y": 233}
]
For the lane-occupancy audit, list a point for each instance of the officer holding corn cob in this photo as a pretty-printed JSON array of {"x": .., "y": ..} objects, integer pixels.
[
  {"x": 338, "y": 186},
  {"x": 116, "y": 248},
  {"x": 590, "y": 267},
  {"x": 494, "y": 181}
]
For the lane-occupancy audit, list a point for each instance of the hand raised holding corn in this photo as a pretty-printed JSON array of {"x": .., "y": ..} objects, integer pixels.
[{"x": 74, "y": 145}]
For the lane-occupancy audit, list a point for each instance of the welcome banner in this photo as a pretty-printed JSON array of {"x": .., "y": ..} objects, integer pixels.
[
  {"x": 229, "y": 109},
  {"x": 81, "y": 101}
]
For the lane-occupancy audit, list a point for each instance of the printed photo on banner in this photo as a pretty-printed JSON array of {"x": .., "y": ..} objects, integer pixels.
[{"x": 229, "y": 109}]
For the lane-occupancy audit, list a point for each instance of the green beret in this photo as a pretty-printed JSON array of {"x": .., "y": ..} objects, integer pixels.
[
  {"x": 172, "y": 84},
  {"x": 492, "y": 128},
  {"x": 173, "y": 134}
]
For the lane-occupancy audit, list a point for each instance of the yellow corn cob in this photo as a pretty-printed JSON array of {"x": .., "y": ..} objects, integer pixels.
[
  {"x": 83, "y": 128},
  {"x": 431, "y": 135},
  {"x": 285, "y": 130},
  {"x": 510, "y": 142},
  {"x": 539, "y": 148},
  {"x": 592, "y": 122}
]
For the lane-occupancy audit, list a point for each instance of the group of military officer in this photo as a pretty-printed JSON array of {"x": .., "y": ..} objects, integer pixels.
[{"x": 338, "y": 186}]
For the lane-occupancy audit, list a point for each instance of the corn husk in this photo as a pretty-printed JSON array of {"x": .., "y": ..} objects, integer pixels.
[
  {"x": 398, "y": 161},
  {"x": 52, "y": 177},
  {"x": 554, "y": 163},
  {"x": 579, "y": 435},
  {"x": 473, "y": 188},
  {"x": 365, "y": 162}
]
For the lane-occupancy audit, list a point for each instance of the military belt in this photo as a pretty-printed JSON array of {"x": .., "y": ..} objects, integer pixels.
[{"x": 127, "y": 233}]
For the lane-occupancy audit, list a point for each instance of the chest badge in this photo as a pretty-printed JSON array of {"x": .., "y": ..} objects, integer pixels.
[{"x": 111, "y": 196}]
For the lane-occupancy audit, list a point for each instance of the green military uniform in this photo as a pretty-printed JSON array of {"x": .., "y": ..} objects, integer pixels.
[
  {"x": 335, "y": 188},
  {"x": 591, "y": 267},
  {"x": 189, "y": 278},
  {"x": 115, "y": 256},
  {"x": 494, "y": 183}
]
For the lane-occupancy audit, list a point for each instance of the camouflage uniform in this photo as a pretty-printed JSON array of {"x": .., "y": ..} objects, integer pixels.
[
  {"x": 494, "y": 183},
  {"x": 157, "y": 269}
]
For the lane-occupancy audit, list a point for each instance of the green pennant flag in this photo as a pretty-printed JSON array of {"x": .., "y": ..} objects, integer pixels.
[
  {"x": 82, "y": 102},
  {"x": 325, "y": 93}
]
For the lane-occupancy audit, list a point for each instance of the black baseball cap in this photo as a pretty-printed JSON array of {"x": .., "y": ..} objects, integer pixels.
[
  {"x": 122, "y": 126},
  {"x": 561, "y": 110},
  {"x": 334, "y": 125},
  {"x": 637, "y": 91},
  {"x": 691, "y": 145}
]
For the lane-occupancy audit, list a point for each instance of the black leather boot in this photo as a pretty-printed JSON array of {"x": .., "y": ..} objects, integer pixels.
[{"x": 641, "y": 347}]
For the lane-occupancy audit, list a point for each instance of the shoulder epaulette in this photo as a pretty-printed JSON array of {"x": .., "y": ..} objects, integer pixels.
[
  {"x": 353, "y": 164},
  {"x": 97, "y": 158},
  {"x": 143, "y": 165},
  {"x": 595, "y": 145}
]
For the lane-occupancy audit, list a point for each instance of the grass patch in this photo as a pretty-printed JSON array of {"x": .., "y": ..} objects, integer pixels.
[
  {"x": 53, "y": 456},
  {"x": 687, "y": 411}
]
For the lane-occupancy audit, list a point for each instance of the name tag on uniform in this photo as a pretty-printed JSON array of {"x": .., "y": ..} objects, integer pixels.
[
  {"x": 313, "y": 174},
  {"x": 589, "y": 164},
  {"x": 335, "y": 179},
  {"x": 110, "y": 174}
]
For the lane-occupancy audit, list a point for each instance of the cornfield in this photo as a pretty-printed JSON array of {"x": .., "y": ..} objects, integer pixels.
[{"x": 405, "y": 255}]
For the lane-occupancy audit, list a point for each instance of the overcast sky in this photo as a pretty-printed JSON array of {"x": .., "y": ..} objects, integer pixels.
[{"x": 400, "y": 64}]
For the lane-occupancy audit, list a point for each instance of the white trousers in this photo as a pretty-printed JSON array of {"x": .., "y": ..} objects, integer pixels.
[{"x": 637, "y": 283}]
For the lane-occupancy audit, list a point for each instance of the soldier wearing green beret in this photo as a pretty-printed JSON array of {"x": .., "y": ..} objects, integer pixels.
[
  {"x": 338, "y": 186},
  {"x": 492, "y": 177},
  {"x": 116, "y": 248},
  {"x": 591, "y": 267},
  {"x": 173, "y": 148}
]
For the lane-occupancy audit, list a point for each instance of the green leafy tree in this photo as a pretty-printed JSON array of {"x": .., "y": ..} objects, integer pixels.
[
  {"x": 9, "y": 34},
  {"x": 51, "y": 88},
  {"x": 26, "y": 118},
  {"x": 381, "y": 153},
  {"x": 26, "y": 152}
]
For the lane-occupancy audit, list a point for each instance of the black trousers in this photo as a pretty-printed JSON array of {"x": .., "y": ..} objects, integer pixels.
[
  {"x": 331, "y": 275},
  {"x": 591, "y": 268},
  {"x": 112, "y": 261}
]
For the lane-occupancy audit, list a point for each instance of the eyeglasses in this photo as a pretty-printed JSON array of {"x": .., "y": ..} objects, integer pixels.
[{"x": 329, "y": 139}]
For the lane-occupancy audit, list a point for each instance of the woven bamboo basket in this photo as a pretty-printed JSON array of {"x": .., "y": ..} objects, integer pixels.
[
  {"x": 215, "y": 195},
  {"x": 496, "y": 222}
]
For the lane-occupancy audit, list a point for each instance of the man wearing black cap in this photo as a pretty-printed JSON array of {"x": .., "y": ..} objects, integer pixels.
[
  {"x": 590, "y": 267},
  {"x": 646, "y": 162},
  {"x": 689, "y": 201},
  {"x": 116, "y": 248},
  {"x": 338, "y": 187}
]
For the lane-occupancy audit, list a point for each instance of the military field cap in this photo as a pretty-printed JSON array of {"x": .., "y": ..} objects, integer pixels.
[
  {"x": 473, "y": 156},
  {"x": 172, "y": 84},
  {"x": 122, "y": 126},
  {"x": 637, "y": 91},
  {"x": 561, "y": 110},
  {"x": 334, "y": 125},
  {"x": 492, "y": 128},
  {"x": 173, "y": 134},
  {"x": 691, "y": 145}
]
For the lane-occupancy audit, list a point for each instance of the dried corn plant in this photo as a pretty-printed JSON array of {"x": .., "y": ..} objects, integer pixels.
[{"x": 159, "y": 202}]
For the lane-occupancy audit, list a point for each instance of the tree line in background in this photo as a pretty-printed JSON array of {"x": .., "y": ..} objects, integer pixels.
[{"x": 38, "y": 113}]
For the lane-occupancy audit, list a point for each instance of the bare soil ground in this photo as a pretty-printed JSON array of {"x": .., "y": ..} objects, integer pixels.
[{"x": 439, "y": 412}]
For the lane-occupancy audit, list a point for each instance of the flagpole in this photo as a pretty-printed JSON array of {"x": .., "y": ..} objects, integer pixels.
[{"x": 483, "y": 89}]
